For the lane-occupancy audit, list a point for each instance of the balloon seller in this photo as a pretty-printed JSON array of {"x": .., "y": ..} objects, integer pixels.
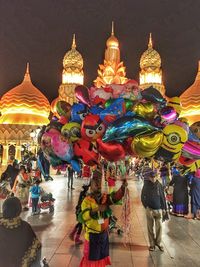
[{"x": 95, "y": 213}]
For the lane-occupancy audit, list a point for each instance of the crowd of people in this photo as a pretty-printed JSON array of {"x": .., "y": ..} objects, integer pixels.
[{"x": 164, "y": 190}]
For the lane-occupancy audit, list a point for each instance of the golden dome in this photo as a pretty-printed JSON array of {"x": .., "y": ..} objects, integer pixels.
[
  {"x": 112, "y": 40},
  {"x": 190, "y": 100},
  {"x": 73, "y": 58},
  {"x": 150, "y": 58},
  {"x": 24, "y": 104}
]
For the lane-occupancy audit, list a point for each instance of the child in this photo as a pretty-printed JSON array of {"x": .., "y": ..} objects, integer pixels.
[
  {"x": 35, "y": 194},
  {"x": 78, "y": 227}
]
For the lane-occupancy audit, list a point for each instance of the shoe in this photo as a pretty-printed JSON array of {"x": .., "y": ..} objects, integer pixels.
[
  {"x": 50, "y": 178},
  {"x": 161, "y": 248},
  {"x": 151, "y": 248},
  {"x": 25, "y": 209},
  {"x": 72, "y": 188}
]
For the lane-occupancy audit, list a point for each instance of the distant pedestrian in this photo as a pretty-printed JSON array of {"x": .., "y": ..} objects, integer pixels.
[
  {"x": 70, "y": 177},
  {"x": 153, "y": 199},
  {"x": 180, "y": 193}
]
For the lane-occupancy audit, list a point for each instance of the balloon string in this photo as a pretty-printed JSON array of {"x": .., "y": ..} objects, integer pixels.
[{"x": 126, "y": 215}]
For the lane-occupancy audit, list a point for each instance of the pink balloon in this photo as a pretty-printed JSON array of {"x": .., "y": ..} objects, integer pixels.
[
  {"x": 82, "y": 94},
  {"x": 61, "y": 147}
]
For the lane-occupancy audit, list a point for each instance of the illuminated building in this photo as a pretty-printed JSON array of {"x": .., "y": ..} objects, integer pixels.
[
  {"x": 150, "y": 65},
  {"x": 72, "y": 74},
  {"x": 23, "y": 109},
  {"x": 112, "y": 70},
  {"x": 190, "y": 100}
]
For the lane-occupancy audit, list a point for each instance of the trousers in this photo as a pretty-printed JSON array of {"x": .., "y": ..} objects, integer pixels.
[{"x": 154, "y": 226}]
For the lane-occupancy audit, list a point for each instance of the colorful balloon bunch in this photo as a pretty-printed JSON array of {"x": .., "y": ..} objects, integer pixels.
[{"x": 117, "y": 121}]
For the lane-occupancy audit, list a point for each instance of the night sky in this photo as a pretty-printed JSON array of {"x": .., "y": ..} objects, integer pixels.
[{"x": 40, "y": 31}]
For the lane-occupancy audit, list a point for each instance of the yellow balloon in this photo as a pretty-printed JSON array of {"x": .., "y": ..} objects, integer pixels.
[
  {"x": 145, "y": 110},
  {"x": 71, "y": 131},
  {"x": 147, "y": 145},
  {"x": 174, "y": 137}
]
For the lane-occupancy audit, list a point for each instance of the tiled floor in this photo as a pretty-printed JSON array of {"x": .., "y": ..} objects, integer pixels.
[{"x": 181, "y": 237}]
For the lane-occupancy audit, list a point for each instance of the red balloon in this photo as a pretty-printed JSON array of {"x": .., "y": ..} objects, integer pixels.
[
  {"x": 128, "y": 148},
  {"x": 92, "y": 127},
  {"x": 86, "y": 151},
  {"x": 82, "y": 94},
  {"x": 110, "y": 151},
  {"x": 63, "y": 120}
]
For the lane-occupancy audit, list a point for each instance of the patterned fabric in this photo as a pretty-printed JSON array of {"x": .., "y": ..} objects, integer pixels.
[{"x": 19, "y": 245}]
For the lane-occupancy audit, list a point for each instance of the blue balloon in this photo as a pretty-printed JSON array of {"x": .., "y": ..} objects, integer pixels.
[
  {"x": 96, "y": 110},
  {"x": 127, "y": 126},
  {"x": 153, "y": 95},
  {"x": 116, "y": 110},
  {"x": 75, "y": 165},
  {"x": 78, "y": 112}
]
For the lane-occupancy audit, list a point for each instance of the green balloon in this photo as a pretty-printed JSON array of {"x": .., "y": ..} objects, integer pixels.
[
  {"x": 109, "y": 102},
  {"x": 129, "y": 104}
]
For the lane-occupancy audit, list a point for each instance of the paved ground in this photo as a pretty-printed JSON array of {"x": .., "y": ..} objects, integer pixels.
[{"x": 181, "y": 237}]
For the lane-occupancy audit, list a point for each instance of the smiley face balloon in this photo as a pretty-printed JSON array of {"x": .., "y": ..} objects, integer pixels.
[
  {"x": 71, "y": 131},
  {"x": 174, "y": 137}
]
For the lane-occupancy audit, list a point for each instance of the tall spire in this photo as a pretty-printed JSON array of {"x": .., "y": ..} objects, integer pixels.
[
  {"x": 150, "y": 44},
  {"x": 74, "y": 41},
  {"x": 112, "y": 31},
  {"x": 198, "y": 73},
  {"x": 27, "y": 77}
]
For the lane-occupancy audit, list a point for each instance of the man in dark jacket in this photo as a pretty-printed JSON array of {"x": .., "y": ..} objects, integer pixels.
[
  {"x": 153, "y": 199},
  {"x": 70, "y": 177}
]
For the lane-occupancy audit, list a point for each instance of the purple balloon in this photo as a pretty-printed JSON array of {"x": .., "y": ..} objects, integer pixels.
[{"x": 82, "y": 94}]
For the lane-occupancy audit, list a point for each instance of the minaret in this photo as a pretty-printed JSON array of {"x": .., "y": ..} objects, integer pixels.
[
  {"x": 151, "y": 73},
  {"x": 72, "y": 74},
  {"x": 112, "y": 70}
]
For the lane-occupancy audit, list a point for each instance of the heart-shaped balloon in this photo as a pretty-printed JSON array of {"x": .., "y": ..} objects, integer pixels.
[
  {"x": 111, "y": 151},
  {"x": 82, "y": 94}
]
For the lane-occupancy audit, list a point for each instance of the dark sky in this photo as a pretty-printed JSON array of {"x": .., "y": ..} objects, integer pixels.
[{"x": 40, "y": 31}]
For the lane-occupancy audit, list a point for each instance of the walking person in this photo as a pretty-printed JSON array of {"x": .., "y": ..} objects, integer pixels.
[
  {"x": 21, "y": 187},
  {"x": 153, "y": 199},
  {"x": 180, "y": 193},
  {"x": 195, "y": 196},
  {"x": 35, "y": 191},
  {"x": 164, "y": 174},
  {"x": 70, "y": 177}
]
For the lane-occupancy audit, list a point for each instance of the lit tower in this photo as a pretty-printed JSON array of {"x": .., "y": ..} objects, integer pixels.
[
  {"x": 112, "y": 70},
  {"x": 72, "y": 74},
  {"x": 190, "y": 100},
  {"x": 151, "y": 73}
]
